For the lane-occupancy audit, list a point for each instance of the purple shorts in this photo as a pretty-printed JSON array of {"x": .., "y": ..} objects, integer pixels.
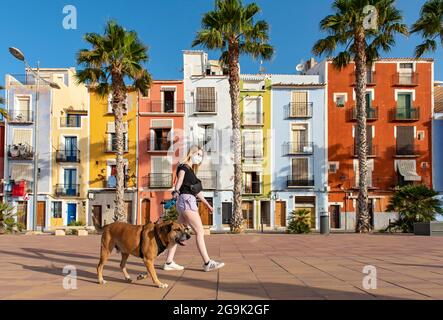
[{"x": 186, "y": 202}]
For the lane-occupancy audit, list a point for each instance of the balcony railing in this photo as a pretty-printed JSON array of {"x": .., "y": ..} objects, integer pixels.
[
  {"x": 298, "y": 148},
  {"x": 375, "y": 183},
  {"x": 372, "y": 150},
  {"x": 407, "y": 150},
  {"x": 21, "y": 116},
  {"x": 405, "y": 114},
  {"x": 20, "y": 152},
  {"x": 298, "y": 182},
  {"x": 253, "y": 119},
  {"x": 299, "y": 110},
  {"x": 252, "y": 188},
  {"x": 371, "y": 114},
  {"x": 22, "y": 79},
  {"x": 405, "y": 79},
  {"x": 111, "y": 145},
  {"x": 67, "y": 190},
  {"x": 253, "y": 154},
  {"x": 166, "y": 107},
  {"x": 67, "y": 156},
  {"x": 160, "y": 145},
  {"x": 71, "y": 122},
  {"x": 158, "y": 181},
  {"x": 208, "y": 179},
  {"x": 203, "y": 106}
]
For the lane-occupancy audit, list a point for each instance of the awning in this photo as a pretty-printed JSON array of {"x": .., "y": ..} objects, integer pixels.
[
  {"x": 21, "y": 172},
  {"x": 408, "y": 170}
]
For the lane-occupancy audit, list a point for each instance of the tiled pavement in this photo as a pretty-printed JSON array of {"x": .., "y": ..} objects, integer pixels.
[{"x": 258, "y": 267}]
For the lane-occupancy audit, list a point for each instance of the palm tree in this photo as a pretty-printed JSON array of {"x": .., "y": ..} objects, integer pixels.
[
  {"x": 115, "y": 57},
  {"x": 348, "y": 33},
  {"x": 414, "y": 203},
  {"x": 230, "y": 27},
  {"x": 430, "y": 26}
]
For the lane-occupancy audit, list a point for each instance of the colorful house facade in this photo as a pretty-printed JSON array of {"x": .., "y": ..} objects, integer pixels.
[
  {"x": 255, "y": 108},
  {"x": 102, "y": 164},
  {"x": 399, "y": 112},
  {"x": 299, "y": 150},
  {"x": 208, "y": 124},
  {"x": 161, "y": 120}
]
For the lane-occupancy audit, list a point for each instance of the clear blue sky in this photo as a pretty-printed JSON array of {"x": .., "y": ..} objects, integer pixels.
[{"x": 168, "y": 27}]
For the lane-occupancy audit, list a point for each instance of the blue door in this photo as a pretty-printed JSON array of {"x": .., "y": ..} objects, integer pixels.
[
  {"x": 71, "y": 149},
  {"x": 72, "y": 212},
  {"x": 70, "y": 185}
]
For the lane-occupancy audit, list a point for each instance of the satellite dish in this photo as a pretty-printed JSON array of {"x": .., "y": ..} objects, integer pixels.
[{"x": 300, "y": 67}]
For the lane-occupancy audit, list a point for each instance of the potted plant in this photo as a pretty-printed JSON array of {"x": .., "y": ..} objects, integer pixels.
[{"x": 299, "y": 222}]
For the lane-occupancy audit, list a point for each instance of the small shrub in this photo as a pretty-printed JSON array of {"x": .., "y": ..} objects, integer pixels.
[
  {"x": 8, "y": 219},
  {"x": 76, "y": 224},
  {"x": 299, "y": 222}
]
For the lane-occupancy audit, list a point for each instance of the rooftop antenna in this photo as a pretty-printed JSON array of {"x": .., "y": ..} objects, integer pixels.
[
  {"x": 301, "y": 67},
  {"x": 262, "y": 68}
]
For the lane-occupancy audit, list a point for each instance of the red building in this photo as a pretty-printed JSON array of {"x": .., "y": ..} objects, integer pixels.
[
  {"x": 160, "y": 131},
  {"x": 399, "y": 113}
]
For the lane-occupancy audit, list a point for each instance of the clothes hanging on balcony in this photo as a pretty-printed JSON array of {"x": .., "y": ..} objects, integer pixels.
[{"x": 407, "y": 168}]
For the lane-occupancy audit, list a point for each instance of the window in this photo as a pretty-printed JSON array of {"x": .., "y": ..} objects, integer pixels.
[
  {"x": 405, "y": 140},
  {"x": 161, "y": 140},
  {"x": 299, "y": 104},
  {"x": 112, "y": 178},
  {"x": 206, "y": 100},
  {"x": 168, "y": 101},
  {"x": 252, "y": 183},
  {"x": 206, "y": 137},
  {"x": 161, "y": 172},
  {"x": 369, "y": 140},
  {"x": 370, "y": 171},
  {"x": 252, "y": 111},
  {"x": 57, "y": 209},
  {"x": 300, "y": 138},
  {"x": 253, "y": 144},
  {"x": 112, "y": 141},
  {"x": 340, "y": 99},
  {"x": 300, "y": 170},
  {"x": 73, "y": 121},
  {"x": 334, "y": 167}
]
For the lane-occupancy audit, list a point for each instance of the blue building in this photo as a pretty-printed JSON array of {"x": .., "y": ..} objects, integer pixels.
[
  {"x": 19, "y": 148},
  {"x": 437, "y": 138},
  {"x": 299, "y": 143}
]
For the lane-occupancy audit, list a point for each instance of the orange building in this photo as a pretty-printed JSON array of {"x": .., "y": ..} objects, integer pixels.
[
  {"x": 399, "y": 112},
  {"x": 160, "y": 137}
]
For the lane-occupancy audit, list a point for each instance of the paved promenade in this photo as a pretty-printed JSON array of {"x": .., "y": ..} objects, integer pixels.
[{"x": 258, "y": 267}]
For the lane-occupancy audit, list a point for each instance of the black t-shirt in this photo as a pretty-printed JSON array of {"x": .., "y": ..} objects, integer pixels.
[{"x": 189, "y": 179}]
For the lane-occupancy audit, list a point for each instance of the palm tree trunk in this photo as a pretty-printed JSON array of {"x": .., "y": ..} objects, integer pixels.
[
  {"x": 234, "y": 91},
  {"x": 118, "y": 99},
  {"x": 363, "y": 224}
]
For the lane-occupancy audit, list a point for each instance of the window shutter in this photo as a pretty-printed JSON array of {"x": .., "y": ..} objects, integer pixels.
[
  {"x": 110, "y": 103},
  {"x": 258, "y": 144},
  {"x": 248, "y": 144},
  {"x": 405, "y": 140},
  {"x": 151, "y": 140},
  {"x": 109, "y": 142},
  {"x": 205, "y": 99},
  {"x": 300, "y": 169},
  {"x": 300, "y": 103},
  {"x": 22, "y": 136},
  {"x": 111, "y": 127}
]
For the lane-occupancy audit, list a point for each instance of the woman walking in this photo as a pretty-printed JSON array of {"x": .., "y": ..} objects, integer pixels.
[{"x": 187, "y": 189}]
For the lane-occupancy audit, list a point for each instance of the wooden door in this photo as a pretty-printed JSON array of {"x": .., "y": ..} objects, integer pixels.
[
  {"x": 97, "y": 213},
  {"x": 248, "y": 214},
  {"x": 146, "y": 212},
  {"x": 129, "y": 211},
  {"x": 334, "y": 212},
  {"x": 280, "y": 214},
  {"x": 205, "y": 215},
  {"x": 41, "y": 214}
]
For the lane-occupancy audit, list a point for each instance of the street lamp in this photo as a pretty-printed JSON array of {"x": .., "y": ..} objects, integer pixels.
[{"x": 18, "y": 54}]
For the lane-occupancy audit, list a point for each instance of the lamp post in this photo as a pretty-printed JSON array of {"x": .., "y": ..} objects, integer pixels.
[{"x": 18, "y": 54}]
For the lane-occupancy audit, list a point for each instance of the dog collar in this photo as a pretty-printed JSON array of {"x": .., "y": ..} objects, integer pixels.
[{"x": 161, "y": 247}]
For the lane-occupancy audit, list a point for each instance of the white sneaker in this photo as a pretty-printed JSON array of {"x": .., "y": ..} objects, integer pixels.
[
  {"x": 213, "y": 265},
  {"x": 172, "y": 267}
]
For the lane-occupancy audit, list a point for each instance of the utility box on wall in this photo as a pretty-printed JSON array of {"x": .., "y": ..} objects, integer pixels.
[{"x": 428, "y": 229}]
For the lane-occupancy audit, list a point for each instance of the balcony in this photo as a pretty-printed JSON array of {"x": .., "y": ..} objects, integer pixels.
[
  {"x": 20, "y": 152},
  {"x": 405, "y": 79},
  {"x": 407, "y": 151},
  {"x": 297, "y": 182},
  {"x": 375, "y": 183},
  {"x": 208, "y": 179},
  {"x": 63, "y": 156},
  {"x": 372, "y": 151},
  {"x": 253, "y": 188},
  {"x": 158, "y": 181},
  {"x": 111, "y": 145},
  {"x": 22, "y": 79},
  {"x": 160, "y": 145},
  {"x": 166, "y": 107},
  {"x": 71, "y": 122},
  {"x": 298, "y": 148},
  {"x": 253, "y": 119},
  {"x": 202, "y": 107},
  {"x": 67, "y": 190},
  {"x": 371, "y": 79},
  {"x": 299, "y": 110},
  {"x": 252, "y": 154},
  {"x": 371, "y": 114},
  {"x": 21, "y": 117},
  {"x": 405, "y": 114}
]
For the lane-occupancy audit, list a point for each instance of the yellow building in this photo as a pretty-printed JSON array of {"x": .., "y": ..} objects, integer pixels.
[
  {"x": 256, "y": 129},
  {"x": 69, "y": 148},
  {"x": 102, "y": 158}
]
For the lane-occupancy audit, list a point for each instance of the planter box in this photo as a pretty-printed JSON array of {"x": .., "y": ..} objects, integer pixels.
[
  {"x": 60, "y": 233},
  {"x": 82, "y": 233},
  {"x": 207, "y": 230},
  {"x": 434, "y": 228}
]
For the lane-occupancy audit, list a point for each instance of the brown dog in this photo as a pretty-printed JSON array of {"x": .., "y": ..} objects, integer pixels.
[{"x": 146, "y": 242}]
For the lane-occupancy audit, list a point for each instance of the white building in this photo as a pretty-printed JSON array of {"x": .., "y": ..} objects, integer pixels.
[{"x": 208, "y": 123}]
